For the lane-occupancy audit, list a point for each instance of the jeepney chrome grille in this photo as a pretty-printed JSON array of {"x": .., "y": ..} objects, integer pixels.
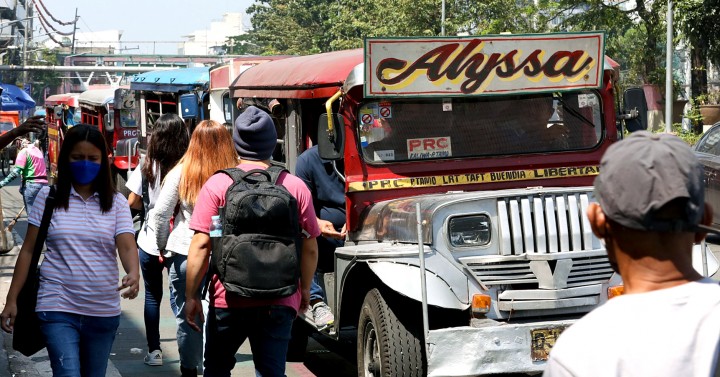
[
  {"x": 589, "y": 270},
  {"x": 505, "y": 272},
  {"x": 584, "y": 271},
  {"x": 544, "y": 224}
]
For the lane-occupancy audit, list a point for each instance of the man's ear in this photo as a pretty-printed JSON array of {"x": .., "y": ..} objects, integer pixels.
[
  {"x": 598, "y": 221},
  {"x": 706, "y": 220}
]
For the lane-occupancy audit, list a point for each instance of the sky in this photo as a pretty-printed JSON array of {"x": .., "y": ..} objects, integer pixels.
[{"x": 144, "y": 20}]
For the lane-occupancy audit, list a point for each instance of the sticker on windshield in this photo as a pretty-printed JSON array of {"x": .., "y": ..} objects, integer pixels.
[
  {"x": 386, "y": 155},
  {"x": 429, "y": 147},
  {"x": 586, "y": 100},
  {"x": 385, "y": 110}
]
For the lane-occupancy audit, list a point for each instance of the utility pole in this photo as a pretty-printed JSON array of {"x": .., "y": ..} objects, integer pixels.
[
  {"x": 72, "y": 49},
  {"x": 28, "y": 27}
]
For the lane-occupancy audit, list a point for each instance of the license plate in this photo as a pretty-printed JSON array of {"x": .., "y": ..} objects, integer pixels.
[{"x": 543, "y": 341}]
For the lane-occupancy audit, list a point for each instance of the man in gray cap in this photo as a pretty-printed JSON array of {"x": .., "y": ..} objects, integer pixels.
[
  {"x": 232, "y": 319},
  {"x": 651, "y": 210}
]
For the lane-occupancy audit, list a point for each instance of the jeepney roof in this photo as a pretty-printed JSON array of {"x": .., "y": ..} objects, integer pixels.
[
  {"x": 223, "y": 74},
  {"x": 174, "y": 80},
  {"x": 311, "y": 76},
  {"x": 97, "y": 97},
  {"x": 70, "y": 99}
]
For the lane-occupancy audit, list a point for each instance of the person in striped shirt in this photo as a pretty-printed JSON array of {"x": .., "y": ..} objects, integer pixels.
[
  {"x": 79, "y": 296},
  {"x": 30, "y": 165}
]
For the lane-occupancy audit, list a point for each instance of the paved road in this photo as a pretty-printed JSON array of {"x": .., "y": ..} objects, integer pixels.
[{"x": 125, "y": 359}]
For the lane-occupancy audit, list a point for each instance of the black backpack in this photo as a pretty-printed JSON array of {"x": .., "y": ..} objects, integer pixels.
[{"x": 259, "y": 253}]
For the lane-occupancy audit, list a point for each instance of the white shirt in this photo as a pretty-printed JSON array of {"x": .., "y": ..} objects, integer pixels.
[
  {"x": 669, "y": 332},
  {"x": 146, "y": 238}
]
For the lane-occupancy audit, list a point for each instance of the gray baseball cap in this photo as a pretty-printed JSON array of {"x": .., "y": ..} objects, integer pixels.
[{"x": 641, "y": 174}]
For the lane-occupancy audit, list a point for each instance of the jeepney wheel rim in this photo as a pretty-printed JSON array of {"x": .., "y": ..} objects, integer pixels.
[{"x": 371, "y": 358}]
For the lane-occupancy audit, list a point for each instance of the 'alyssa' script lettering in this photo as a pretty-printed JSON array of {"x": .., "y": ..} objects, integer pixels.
[{"x": 446, "y": 62}]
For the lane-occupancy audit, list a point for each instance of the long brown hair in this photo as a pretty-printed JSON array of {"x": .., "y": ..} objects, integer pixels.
[
  {"x": 211, "y": 149},
  {"x": 168, "y": 143}
]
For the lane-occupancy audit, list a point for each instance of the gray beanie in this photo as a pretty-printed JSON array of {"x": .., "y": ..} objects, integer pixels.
[{"x": 254, "y": 135}]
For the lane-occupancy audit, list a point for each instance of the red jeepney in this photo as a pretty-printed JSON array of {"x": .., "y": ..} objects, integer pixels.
[
  {"x": 61, "y": 112},
  {"x": 99, "y": 108},
  {"x": 468, "y": 166}
]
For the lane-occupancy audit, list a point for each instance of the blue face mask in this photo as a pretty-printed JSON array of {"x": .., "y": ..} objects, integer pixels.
[{"x": 84, "y": 171}]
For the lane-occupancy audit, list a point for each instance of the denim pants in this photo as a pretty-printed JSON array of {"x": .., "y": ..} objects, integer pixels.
[
  {"x": 78, "y": 345},
  {"x": 152, "y": 272},
  {"x": 190, "y": 342},
  {"x": 317, "y": 291},
  {"x": 267, "y": 327},
  {"x": 29, "y": 191}
]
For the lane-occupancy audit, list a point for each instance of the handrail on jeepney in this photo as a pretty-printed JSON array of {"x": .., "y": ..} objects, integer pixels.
[
  {"x": 328, "y": 109},
  {"x": 130, "y": 154}
]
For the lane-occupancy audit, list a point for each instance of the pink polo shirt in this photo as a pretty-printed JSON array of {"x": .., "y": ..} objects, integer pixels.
[{"x": 212, "y": 196}]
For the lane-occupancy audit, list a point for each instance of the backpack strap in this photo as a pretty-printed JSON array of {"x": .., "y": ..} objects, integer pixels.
[{"x": 275, "y": 172}]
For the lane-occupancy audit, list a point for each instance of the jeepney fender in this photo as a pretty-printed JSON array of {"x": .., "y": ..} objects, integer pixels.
[
  {"x": 405, "y": 279},
  {"x": 396, "y": 267}
]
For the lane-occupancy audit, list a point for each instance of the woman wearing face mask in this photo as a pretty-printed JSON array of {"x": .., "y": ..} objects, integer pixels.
[{"x": 78, "y": 301}]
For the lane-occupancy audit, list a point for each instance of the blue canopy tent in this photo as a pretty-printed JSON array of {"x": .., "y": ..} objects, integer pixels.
[{"x": 15, "y": 99}]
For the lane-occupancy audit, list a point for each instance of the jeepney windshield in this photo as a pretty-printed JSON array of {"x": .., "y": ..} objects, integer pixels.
[{"x": 421, "y": 129}]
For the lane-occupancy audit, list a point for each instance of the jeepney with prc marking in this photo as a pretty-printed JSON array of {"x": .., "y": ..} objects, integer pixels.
[{"x": 468, "y": 166}]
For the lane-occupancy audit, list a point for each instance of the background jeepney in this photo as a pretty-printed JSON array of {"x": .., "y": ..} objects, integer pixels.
[
  {"x": 117, "y": 125},
  {"x": 61, "y": 111},
  {"x": 222, "y": 108},
  {"x": 180, "y": 91}
]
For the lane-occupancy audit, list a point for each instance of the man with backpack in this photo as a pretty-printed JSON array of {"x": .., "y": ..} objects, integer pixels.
[{"x": 263, "y": 265}]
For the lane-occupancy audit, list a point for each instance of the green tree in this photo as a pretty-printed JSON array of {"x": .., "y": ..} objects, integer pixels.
[
  {"x": 641, "y": 22},
  {"x": 42, "y": 79},
  {"x": 698, "y": 21}
]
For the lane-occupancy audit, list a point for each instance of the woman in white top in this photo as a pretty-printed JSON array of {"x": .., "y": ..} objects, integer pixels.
[
  {"x": 211, "y": 149},
  {"x": 166, "y": 146}
]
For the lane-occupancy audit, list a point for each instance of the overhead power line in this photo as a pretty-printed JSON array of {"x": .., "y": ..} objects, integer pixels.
[
  {"x": 51, "y": 16},
  {"x": 47, "y": 25}
]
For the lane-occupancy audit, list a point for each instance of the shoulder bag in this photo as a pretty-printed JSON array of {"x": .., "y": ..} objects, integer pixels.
[{"x": 27, "y": 337}]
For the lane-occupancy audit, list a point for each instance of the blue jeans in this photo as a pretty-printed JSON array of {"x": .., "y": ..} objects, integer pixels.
[
  {"x": 152, "y": 272},
  {"x": 29, "y": 191},
  {"x": 78, "y": 345},
  {"x": 267, "y": 327},
  {"x": 317, "y": 292},
  {"x": 190, "y": 342}
]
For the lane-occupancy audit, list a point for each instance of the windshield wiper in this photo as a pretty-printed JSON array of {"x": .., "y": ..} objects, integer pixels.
[{"x": 574, "y": 112}]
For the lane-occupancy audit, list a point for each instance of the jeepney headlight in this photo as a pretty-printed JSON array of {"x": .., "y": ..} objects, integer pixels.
[{"x": 468, "y": 231}]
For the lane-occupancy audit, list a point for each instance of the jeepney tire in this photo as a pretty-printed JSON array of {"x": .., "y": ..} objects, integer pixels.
[
  {"x": 298, "y": 341},
  {"x": 388, "y": 342}
]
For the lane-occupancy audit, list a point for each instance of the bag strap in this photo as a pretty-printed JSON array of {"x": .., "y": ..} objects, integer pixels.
[
  {"x": 42, "y": 232},
  {"x": 275, "y": 172}
]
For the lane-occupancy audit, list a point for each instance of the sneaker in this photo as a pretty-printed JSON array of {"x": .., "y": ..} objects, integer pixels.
[
  {"x": 322, "y": 315},
  {"x": 154, "y": 358}
]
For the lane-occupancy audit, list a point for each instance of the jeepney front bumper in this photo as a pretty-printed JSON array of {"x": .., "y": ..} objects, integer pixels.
[{"x": 500, "y": 348}]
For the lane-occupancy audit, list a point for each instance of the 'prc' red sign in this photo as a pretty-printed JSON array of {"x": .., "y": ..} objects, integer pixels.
[{"x": 430, "y": 147}]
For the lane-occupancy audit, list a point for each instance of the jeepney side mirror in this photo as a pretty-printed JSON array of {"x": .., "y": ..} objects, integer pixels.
[
  {"x": 189, "y": 108},
  {"x": 635, "y": 111},
  {"x": 331, "y": 143},
  {"x": 108, "y": 121}
]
